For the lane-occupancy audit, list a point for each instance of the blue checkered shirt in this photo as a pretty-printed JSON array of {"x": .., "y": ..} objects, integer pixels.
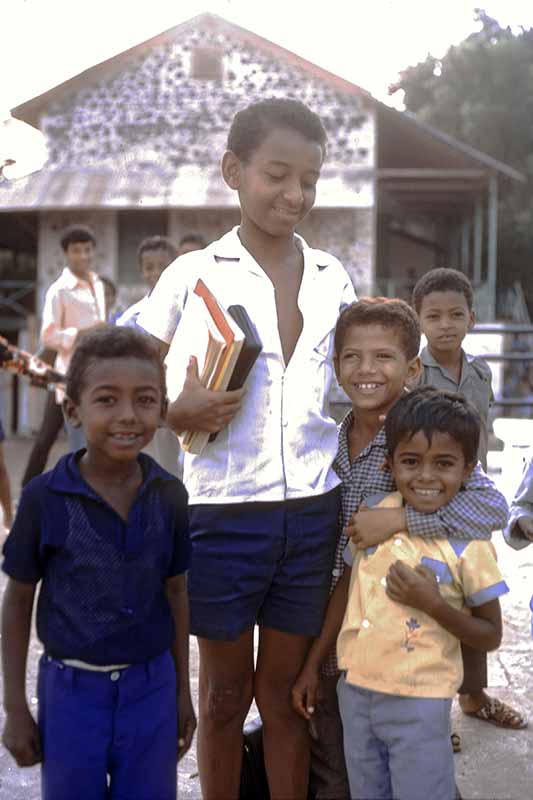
[{"x": 473, "y": 513}]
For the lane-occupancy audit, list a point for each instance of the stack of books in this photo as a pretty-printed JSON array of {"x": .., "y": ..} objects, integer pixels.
[{"x": 225, "y": 344}]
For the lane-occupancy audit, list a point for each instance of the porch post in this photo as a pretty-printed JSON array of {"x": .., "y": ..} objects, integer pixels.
[
  {"x": 478, "y": 240},
  {"x": 492, "y": 264}
]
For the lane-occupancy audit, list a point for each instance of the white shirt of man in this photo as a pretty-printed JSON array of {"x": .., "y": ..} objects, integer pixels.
[{"x": 71, "y": 305}]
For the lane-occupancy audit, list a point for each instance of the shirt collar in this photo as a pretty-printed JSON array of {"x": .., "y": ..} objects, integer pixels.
[
  {"x": 66, "y": 477},
  {"x": 343, "y": 464},
  {"x": 71, "y": 281},
  {"x": 429, "y": 361},
  {"x": 230, "y": 247}
]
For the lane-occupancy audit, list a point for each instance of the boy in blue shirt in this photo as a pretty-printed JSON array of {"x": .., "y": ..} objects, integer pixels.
[{"x": 105, "y": 533}]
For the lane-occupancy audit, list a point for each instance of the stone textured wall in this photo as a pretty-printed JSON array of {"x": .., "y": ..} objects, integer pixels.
[
  {"x": 151, "y": 119},
  {"x": 155, "y": 115}
]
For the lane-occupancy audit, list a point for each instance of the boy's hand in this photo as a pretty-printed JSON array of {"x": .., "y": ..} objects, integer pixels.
[
  {"x": 369, "y": 526},
  {"x": 21, "y": 738},
  {"x": 306, "y": 692},
  {"x": 417, "y": 587},
  {"x": 201, "y": 409},
  {"x": 187, "y": 723},
  {"x": 526, "y": 526}
]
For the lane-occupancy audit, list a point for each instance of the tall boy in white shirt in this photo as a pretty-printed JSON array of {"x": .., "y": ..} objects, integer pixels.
[{"x": 264, "y": 498}]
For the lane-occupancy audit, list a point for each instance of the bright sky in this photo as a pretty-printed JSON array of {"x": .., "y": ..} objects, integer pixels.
[{"x": 45, "y": 42}]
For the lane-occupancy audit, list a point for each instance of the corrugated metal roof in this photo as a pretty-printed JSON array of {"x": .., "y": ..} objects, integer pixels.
[{"x": 132, "y": 187}]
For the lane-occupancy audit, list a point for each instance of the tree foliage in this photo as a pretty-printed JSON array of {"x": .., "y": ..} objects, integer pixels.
[{"x": 481, "y": 92}]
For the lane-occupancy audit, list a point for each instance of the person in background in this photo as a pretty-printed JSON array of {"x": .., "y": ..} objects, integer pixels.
[
  {"x": 519, "y": 531},
  {"x": 154, "y": 255},
  {"x": 74, "y": 302},
  {"x": 105, "y": 534},
  {"x": 191, "y": 242},
  {"x": 110, "y": 293},
  {"x": 443, "y": 300}
]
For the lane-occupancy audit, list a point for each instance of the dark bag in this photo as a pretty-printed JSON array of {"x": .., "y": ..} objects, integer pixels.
[{"x": 254, "y": 783}]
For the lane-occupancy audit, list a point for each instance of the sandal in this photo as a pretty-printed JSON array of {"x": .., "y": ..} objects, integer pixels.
[
  {"x": 498, "y": 713},
  {"x": 456, "y": 742}
]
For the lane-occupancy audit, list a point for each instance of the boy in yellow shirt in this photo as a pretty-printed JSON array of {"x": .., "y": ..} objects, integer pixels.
[{"x": 402, "y": 611}]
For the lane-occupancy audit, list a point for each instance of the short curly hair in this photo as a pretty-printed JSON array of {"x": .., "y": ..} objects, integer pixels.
[
  {"x": 75, "y": 234},
  {"x": 391, "y": 313},
  {"x": 152, "y": 243},
  {"x": 429, "y": 410},
  {"x": 442, "y": 279},
  {"x": 108, "y": 342},
  {"x": 251, "y": 125}
]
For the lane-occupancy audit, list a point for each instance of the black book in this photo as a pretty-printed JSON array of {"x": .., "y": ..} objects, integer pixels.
[{"x": 250, "y": 351}]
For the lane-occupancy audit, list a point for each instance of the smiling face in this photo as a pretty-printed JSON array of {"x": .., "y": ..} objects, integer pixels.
[
  {"x": 445, "y": 319},
  {"x": 429, "y": 475},
  {"x": 153, "y": 263},
  {"x": 277, "y": 185},
  {"x": 120, "y": 406},
  {"x": 372, "y": 367}
]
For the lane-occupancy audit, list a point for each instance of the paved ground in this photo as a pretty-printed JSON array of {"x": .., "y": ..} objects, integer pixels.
[{"x": 494, "y": 764}]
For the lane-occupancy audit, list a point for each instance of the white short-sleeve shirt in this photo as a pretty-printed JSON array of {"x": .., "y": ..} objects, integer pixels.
[{"x": 282, "y": 442}]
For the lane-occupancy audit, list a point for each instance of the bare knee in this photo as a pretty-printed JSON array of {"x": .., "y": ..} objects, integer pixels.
[
  {"x": 226, "y": 703},
  {"x": 274, "y": 700}
]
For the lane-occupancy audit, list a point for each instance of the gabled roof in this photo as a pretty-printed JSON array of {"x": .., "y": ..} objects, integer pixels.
[{"x": 30, "y": 111}]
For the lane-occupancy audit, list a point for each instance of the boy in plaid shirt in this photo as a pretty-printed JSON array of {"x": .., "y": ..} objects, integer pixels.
[{"x": 376, "y": 359}]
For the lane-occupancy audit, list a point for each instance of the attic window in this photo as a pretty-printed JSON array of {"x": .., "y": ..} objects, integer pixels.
[{"x": 206, "y": 64}]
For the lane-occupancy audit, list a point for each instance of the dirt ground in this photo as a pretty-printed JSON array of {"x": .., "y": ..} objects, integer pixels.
[{"x": 494, "y": 764}]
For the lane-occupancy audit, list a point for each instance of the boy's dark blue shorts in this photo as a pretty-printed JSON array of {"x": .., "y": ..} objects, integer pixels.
[
  {"x": 2, "y": 432},
  {"x": 268, "y": 563}
]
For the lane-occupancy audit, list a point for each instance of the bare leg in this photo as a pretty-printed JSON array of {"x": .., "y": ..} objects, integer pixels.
[
  {"x": 285, "y": 734},
  {"x": 225, "y": 696}
]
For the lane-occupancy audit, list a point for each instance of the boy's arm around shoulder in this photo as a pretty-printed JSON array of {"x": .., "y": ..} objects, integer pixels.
[
  {"x": 519, "y": 530},
  {"x": 305, "y": 690}
]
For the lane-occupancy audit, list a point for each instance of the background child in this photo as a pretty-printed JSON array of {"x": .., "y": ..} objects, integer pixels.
[
  {"x": 263, "y": 496},
  {"x": 376, "y": 359},
  {"x": 106, "y": 534},
  {"x": 519, "y": 531},
  {"x": 154, "y": 255},
  {"x": 403, "y": 665},
  {"x": 443, "y": 301}
]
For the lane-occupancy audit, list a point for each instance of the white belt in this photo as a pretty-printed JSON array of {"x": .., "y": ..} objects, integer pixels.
[{"x": 73, "y": 662}]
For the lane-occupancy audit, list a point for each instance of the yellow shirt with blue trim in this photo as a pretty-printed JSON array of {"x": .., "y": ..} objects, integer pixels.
[{"x": 392, "y": 648}]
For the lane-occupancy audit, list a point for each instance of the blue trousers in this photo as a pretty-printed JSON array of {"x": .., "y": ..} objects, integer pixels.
[
  {"x": 396, "y": 747},
  {"x": 108, "y": 735}
]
